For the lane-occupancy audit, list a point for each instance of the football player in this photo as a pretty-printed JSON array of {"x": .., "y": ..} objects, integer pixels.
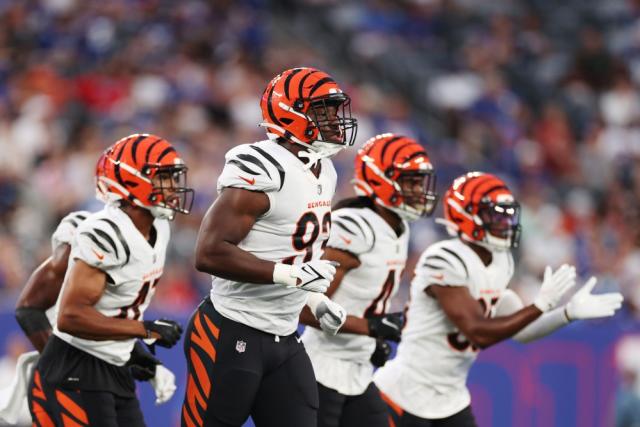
[
  {"x": 460, "y": 303},
  {"x": 34, "y": 308},
  {"x": 395, "y": 182},
  {"x": 115, "y": 261},
  {"x": 261, "y": 241}
]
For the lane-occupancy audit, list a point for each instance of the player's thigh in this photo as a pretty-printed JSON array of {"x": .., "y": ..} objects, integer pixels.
[
  {"x": 331, "y": 406},
  {"x": 128, "y": 412},
  {"x": 367, "y": 409},
  {"x": 222, "y": 382},
  {"x": 87, "y": 408},
  {"x": 42, "y": 403},
  {"x": 463, "y": 418},
  {"x": 288, "y": 396}
]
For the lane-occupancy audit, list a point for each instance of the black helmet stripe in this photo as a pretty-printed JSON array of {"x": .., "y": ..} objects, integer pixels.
[
  {"x": 485, "y": 179},
  {"x": 387, "y": 145},
  {"x": 492, "y": 189},
  {"x": 397, "y": 152},
  {"x": 287, "y": 81},
  {"x": 134, "y": 147},
  {"x": 165, "y": 152},
  {"x": 272, "y": 115},
  {"x": 150, "y": 148},
  {"x": 301, "y": 84},
  {"x": 319, "y": 84}
]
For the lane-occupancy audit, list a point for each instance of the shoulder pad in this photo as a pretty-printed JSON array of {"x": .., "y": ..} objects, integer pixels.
[
  {"x": 65, "y": 231},
  {"x": 351, "y": 231},
  {"x": 100, "y": 243},
  {"x": 441, "y": 265},
  {"x": 251, "y": 167}
]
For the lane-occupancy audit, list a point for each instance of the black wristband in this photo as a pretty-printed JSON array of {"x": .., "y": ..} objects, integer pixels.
[{"x": 32, "y": 320}]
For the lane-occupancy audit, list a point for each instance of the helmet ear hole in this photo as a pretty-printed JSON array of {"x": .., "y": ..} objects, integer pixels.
[
  {"x": 298, "y": 104},
  {"x": 389, "y": 172}
]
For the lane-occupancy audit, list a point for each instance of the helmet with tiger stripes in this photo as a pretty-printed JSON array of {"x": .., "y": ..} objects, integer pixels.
[
  {"x": 397, "y": 173},
  {"x": 306, "y": 106},
  {"x": 480, "y": 208},
  {"x": 146, "y": 171}
]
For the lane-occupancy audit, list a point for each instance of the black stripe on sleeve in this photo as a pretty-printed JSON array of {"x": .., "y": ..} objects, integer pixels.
[
  {"x": 243, "y": 167},
  {"x": 120, "y": 237},
  {"x": 373, "y": 233},
  {"x": 109, "y": 240},
  {"x": 275, "y": 163},
  {"x": 343, "y": 226},
  {"x": 434, "y": 267},
  {"x": 72, "y": 221},
  {"x": 81, "y": 217},
  {"x": 459, "y": 259},
  {"x": 354, "y": 222},
  {"x": 254, "y": 160},
  {"x": 438, "y": 258},
  {"x": 95, "y": 240}
]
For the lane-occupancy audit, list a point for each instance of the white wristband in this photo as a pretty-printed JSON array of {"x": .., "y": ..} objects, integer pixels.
[{"x": 282, "y": 274}]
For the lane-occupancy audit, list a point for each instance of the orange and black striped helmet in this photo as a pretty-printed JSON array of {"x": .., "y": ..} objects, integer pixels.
[
  {"x": 396, "y": 171},
  {"x": 306, "y": 106},
  {"x": 146, "y": 171},
  {"x": 479, "y": 207}
]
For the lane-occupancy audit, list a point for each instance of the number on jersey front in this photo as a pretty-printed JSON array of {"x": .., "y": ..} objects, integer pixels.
[
  {"x": 132, "y": 311},
  {"x": 458, "y": 341},
  {"x": 308, "y": 219}
]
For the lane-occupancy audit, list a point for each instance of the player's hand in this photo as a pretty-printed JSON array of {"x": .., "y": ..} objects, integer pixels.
[
  {"x": 554, "y": 286},
  {"x": 164, "y": 384},
  {"x": 381, "y": 354},
  {"x": 387, "y": 326},
  {"x": 330, "y": 314},
  {"x": 166, "y": 332},
  {"x": 312, "y": 276},
  {"x": 141, "y": 363},
  {"x": 585, "y": 305}
]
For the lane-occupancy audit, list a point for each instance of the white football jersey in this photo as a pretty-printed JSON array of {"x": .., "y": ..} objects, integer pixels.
[
  {"x": 108, "y": 240},
  {"x": 63, "y": 235},
  {"x": 293, "y": 231},
  {"x": 341, "y": 361},
  {"x": 428, "y": 376}
]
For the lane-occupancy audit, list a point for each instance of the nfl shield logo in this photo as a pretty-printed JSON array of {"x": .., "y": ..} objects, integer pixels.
[
  {"x": 241, "y": 346},
  {"x": 319, "y": 189}
]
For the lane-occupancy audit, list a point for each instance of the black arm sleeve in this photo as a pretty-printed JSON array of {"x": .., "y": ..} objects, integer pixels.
[{"x": 32, "y": 320}]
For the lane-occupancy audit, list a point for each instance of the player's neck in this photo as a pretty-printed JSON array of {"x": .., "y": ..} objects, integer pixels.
[
  {"x": 485, "y": 254},
  {"x": 390, "y": 218},
  {"x": 295, "y": 149},
  {"x": 141, "y": 218}
]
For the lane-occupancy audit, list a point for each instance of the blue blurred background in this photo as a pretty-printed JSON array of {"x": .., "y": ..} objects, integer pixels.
[{"x": 544, "y": 94}]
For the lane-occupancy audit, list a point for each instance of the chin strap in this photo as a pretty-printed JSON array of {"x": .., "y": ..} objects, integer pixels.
[{"x": 312, "y": 156}]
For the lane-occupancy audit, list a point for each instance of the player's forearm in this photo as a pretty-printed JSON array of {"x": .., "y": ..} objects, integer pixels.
[
  {"x": 42, "y": 288},
  {"x": 35, "y": 324},
  {"x": 485, "y": 332},
  {"x": 86, "y": 322},
  {"x": 353, "y": 324},
  {"x": 228, "y": 261},
  {"x": 544, "y": 325}
]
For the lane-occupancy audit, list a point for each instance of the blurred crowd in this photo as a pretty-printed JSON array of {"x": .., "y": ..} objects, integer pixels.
[{"x": 543, "y": 94}]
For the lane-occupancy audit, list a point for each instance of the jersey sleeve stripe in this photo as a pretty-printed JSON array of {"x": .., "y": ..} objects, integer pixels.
[
  {"x": 459, "y": 259},
  {"x": 120, "y": 237},
  {"x": 354, "y": 222},
  {"x": 438, "y": 258},
  {"x": 108, "y": 239},
  {"x": 81, "y": 217},
  {"x": 275, "y": 163},
  {"x": 254, "y": 160},
  {"x": 72, "y": 221},
  {"x": 373, "y": 233},
  {"x": 343, "y": 226},
  {"x": 434, "y": 267},
  {"x": 95, "y": 240},
  {"x": 243, "y": 167}
]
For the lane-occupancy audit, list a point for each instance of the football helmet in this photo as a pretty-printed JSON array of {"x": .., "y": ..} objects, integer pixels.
[
  {"x": 479, "y": 208},
  {"x": 101, "y": 188},
  {"x": 148, "y": 172},
  {"x": 307, "y": 107},
  {"x": 396, "y": 172}
]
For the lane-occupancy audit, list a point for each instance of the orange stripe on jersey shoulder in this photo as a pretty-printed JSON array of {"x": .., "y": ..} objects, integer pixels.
[{"x": 71, "y": 406}]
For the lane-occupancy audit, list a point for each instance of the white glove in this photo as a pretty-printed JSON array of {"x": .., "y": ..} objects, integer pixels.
[
  {"x": 164, "y": 384},
  {"x": 330, "y": 314},
  {"x": 585, "y": 305},
  {"x": 312, "y": 276},
  {"x": 554, "y": 286}
]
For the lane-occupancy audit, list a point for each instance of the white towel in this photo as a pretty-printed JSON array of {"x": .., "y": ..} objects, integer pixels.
[{"x": 14, "y": 397}]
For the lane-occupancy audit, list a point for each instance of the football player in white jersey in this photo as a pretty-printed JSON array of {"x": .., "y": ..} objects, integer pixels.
[
  {"x": 395, "y": 181},
  {"x": 261, "y": 241},
  {"x": 460, "y": 304},
  {"x": 116, "y": 258}
]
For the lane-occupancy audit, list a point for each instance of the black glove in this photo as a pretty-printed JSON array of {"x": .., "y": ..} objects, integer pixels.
[
  {"x": 141, "y": 363},
  {"x": 381, "y": 353},
  {"x": 387, "y": 326},
  {"x": 168, "y": 330}
]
